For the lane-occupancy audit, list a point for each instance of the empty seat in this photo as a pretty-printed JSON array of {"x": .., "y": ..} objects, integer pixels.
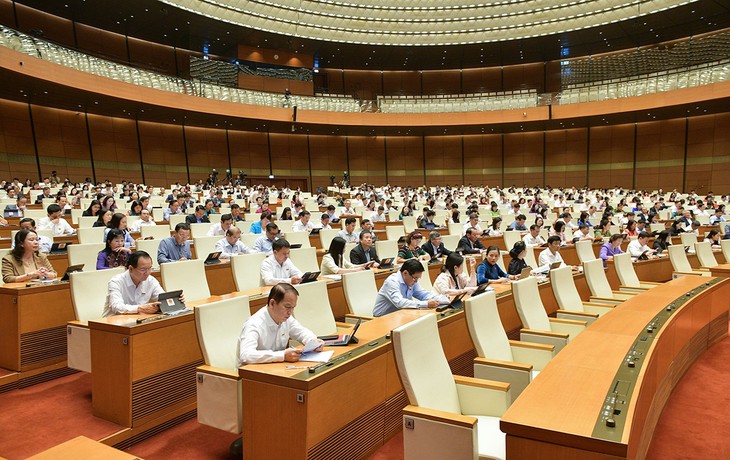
[
  {"x": 627, "y": 275},
  {"x": 569, "y": 301},
  {"x": 305, "y": 259},
  {"x": 313, "y": 309},
  {"x": 705, "y": 255},
  {"x": 157, "y": 232},
  {"x": 91, "y": 235},
  {"x": 680, "y": 264},
  {"x": 598, "y": 284},
  {"x": 84, "y": 254},
  {"x": 188, "y": 276},
  {"x": 584, "y": 249},
  {"x": 150, "y": 247},
  {"x": 360, "y": 293},
  {"x": 204, "y": 245},
  {"x": 246, "y": 270}
]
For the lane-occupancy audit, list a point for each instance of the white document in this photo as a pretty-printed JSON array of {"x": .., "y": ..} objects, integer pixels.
[
  {"x": 311, "y": 346},
  {"x": 317, "y": 357}
]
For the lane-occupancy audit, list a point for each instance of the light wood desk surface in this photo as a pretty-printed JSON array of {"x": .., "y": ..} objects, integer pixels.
[
  {"x": 559, "y": 411},
  {"x": 85, "y": 449}
]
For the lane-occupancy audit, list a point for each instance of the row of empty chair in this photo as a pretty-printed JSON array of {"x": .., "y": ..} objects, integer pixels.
[{"x": 476, "y": 103}]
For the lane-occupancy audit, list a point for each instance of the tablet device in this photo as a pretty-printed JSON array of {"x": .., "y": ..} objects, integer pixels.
[
  {"x": 345, "y": 339},
  {"x": 170, "y": 303},
  {"x": 59, "y": 248},
  {"x": 213, "y": 258},
  {"x": 481, "y": 289},
  {"x": 315, "y": 231},
  {"x": 387, "y": 262},
  {"x": 72, "y": 269},
  {"x": 555, "y": 265},
  {"x": 309, "y": 277},
  {"x": 295, "y": 246},
  {"x": 455, "y": 303},
  {"x": 527, "y": 271}
]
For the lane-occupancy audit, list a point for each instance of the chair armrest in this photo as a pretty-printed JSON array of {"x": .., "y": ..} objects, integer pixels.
[
  {"x": 567, "y": 326},
  {"x": 482, "y": 397},
  {"x": 625, "y": 294},
  {"x": 518, "y": 375},
  {"x": 607, "y": 299},
  {"x": 537, "y": 354},
  {"x": 632, "y": 289},
  {"x": 344, "y": 325},
  {"x": 556, "y": 335},
  {"x": 577, "y": 315},
  {"x": 352, "y": 319},
  {"x": 499, "y": 363},
  {"x": 219, "y": 371},
  {"x": 77, "y": 323},
  {"x": 599, "y": 308},
  {"x": 440, "y": 416}
]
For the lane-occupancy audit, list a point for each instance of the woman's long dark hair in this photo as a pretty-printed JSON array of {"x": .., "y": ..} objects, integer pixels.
[
  {"x": 337, "y": 249},
  {"x": 18, "y": 251},
  {"x": 452, "y": 261}
]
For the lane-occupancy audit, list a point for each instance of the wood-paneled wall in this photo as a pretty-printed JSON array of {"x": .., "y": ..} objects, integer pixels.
[{"x": 685, "y": 153}]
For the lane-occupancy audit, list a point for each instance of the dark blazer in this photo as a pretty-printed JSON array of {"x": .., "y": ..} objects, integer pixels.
[
  {"x": 470, "y": 248},
  {"x": 357, "y": 255},
  {"x": 191, "y": 219},
  {"x": 430, "y": 250}
]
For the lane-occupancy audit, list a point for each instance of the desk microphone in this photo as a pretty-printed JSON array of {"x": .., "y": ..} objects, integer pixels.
[{"x": 149, "y": 319}]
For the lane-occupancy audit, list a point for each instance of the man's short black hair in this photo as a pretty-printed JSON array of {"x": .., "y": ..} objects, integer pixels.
[
  {"x": 53, "y": 208},
  {"x": 553, "y": 239},
  {"x": 279, "y": 244},
  {"x": 412, "y": 266},
  {"x": 182, "y": 226},
  {"x": 350, "y": 220},
  {"x": 134, "y": 257},
  {"x": 226, "y": 217}
]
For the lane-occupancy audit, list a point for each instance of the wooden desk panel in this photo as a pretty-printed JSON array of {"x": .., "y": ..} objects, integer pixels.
[
  {"x": 82, "y": 447},
  {"x": 558, "y": 412}
]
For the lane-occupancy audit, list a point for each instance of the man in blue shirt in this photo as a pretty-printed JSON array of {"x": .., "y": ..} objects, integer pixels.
[
  {"x": 176, "y": 247},
  {"x": 402, "y": 290},
  {"x": 519, "y": 223},
  {"x": 257, "y": 227},
  {"x": 265, "y": 243}
]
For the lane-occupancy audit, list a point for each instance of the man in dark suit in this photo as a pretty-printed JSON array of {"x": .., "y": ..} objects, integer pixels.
[
  {"x": 199, "y": 217},
  {"x": 365, "y": 251},
  {"x": 434, "y": 247},
  {"x": 470, "y": 243}
]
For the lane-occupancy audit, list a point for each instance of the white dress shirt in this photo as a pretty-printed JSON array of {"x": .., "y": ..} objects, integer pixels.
[
  {"x": 578, "y": 234},
  {"x": 375, "y": 217},
  {"x": 227, "y": 249},
  {"x": 216, "y": 230},
  {"x": 139, "y": 223},
  {"x": 467, "y": 226},
  {"x": 636, "y": 249},
  {"x": 272, "y": 273},
  {"x": 124, "y": 297},
  {"x": 299, "y": 227},
  {"x": 531, "y": 241},
  {"x": 59, "y": 229},
  {"x": 353, "y": 237},
  {"x": 548, "y": 258},
  {"x": 264, "y": 341}
]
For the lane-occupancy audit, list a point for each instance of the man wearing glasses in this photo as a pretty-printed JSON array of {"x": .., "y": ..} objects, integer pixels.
[
  {"x": 134, "y": 291},
  {"x": 265, "y": 242},
  {"x": 231, "y": 244}
]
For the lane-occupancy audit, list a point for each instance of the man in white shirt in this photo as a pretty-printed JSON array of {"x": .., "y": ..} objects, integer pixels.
[
  {"x": 303, "y": 224},
  {"x": 349, "y": 210},
  {"x": 348, "y": 234},
  {"x": 278, "y": 268},
  {"x": 639, "y": 246},
  {"x": 265, "y": 336},
  {"x": 583, "y": 233},
  {"x": 568, "y": 219},
  {"x": 220, "y": 228},
  {"x": 473, "y": 223},
  {"x": 231, "y": 244},
  {"x": 55, "y": 222},
  {"x": 551, "y": 255},
  {"x": 379, "y": 215},
  {"x": 134, "y": 291},
  {"x": 144, "y": 220},
  {"x": 325, "y": 222},
  {"x": 533, "y": 238}
]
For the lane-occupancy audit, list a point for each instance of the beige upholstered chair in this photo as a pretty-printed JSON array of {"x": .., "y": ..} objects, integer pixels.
[
  {"x": 246, "y": 270},
  {"x": 326, "y": 235},
  {"x": 285, "y": 226},
  {"x": 219, "y": 325},
  {"x": 627, "y": 275},
  {"x": 204, "y": 245},
  {"x": 537, "y": 326},
  {"x": 598, "y": 284},
  {"x": 510, "y": 238},
  {"x": 188, "y": 276},
  {"x": 688, "y": 239},
  {"x": 91, "y": 235},
  {"x": 305, "y": 259},
  {"x": 409, "y": 223},
  {"x": 680, "y": 263},
  {"x": 87, "y": 221},
  {"x": 88, "y": 296},
  {"x": 584, "y": 249},
  {"x": 158, "y": 232},
  {"x": 150, "y": 247},
  {"x": 449, "y": 416},
  {"x": 569, "y": 301},
  {"x": 360, "y": 293},
  {"x": 198, "y": 230},
  {"x": 386, "y": 248},
  {"x": 499, "y": 358},
  {"x": 705, "y": 255},
  {"x": 394, "y": 232},
  {"x": 85, "y": 254},
  {"x": 451, "y": 242},
  {"x": 425, "y": 279},
  {"x": 725, "y": 245},
  {"x": 298, "y": 238},
  {"x": 174, "y": 220},
  {"x": 313, "y": 309}
]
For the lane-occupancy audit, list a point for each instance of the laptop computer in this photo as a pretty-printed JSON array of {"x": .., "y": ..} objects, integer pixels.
[
  {"x": 59, "y": 248},
  {"x": 170, "y": 304},
  {"x": 213, "y": 258},
  {"x": 387, "y": 262},
  {"x": 455, "y": 303},
  {"x": 12, "y": 213},
  {"x": 309, "y": 277},
  {"x": 344, "y": 339},
  {"x": 72, "y": 269}
]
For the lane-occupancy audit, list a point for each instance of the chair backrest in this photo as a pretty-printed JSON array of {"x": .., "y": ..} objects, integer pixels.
[
  {"x": 451, "y": 242},
  {"x": 249, "y": 239},
  {"x": 705, "y": 255},
  {"x": 510, "y": 238},
  {"x": 529, "y": 304},
  {"x": 596, "y": 278},
  {"x": 659, "y": 227},
  {"x": 530, "y": 258},
  {"x": 725, "y": 245},
  {"x": 244, "y": 226},
  {"x": 305, "y": 259},
  {"x": 246, "y": 270},
  {"x": 85, "y": 254},
  {"x": 679, "y": 258},
  {"x": 89, "y": 290},
  {"x": 584, "y": 249},
  {"x": 285, "y": 226},
  {"x": 158, "y": 232},
  {"x": 188, "y": 275},
  {"x": 409, "y": 223},
  {"x": 688, "y": 239},
  {"x": 197, "y": 230},
  {"x": 566, "y": 293},
  {"x": 150, "y": 247},
  {"x": 219, "y": 325},
  {"x": 386, "y": 248},
  {"x": 326, "y": 235},
  {"x": 91, "y": 235},
  {"x": 425, "y": 279},
  {"x": 360, "y": 292},
  {"x": 313, "y": 309},
  {"x": 456, "y": 229},
  {"x": 215, "y": 218},
  {"x": 204, "y": 245},
  {"x": 422, "y": 366},
  {"x": 175, "y": 219},
  {"x": 87, "y": 221},
  {"x": 625, "y": 270},
  {"x": 394, "y": 232},
  {"x": 298, "y": 238},
  {"x": 348, "y": 249},
  {"x": 485, "y": 327}
]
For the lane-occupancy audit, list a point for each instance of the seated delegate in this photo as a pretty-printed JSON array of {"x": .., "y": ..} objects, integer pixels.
[
  {"x": 266, "y": 334},
  {"x": 402, "y": 290},
  {"x": 334, "y": 262},
  {"x": 231, "y": 244},
  {"x": 489, "y": 272},
  {"x": 452, "y": 280},
  {"x": 176, "y": 247},
  {"x": 365, "y": 252},
  {"x": 25, "y": 262},
  {"x": 278, "y": 268},
  {"x": 114, "y": 254}
]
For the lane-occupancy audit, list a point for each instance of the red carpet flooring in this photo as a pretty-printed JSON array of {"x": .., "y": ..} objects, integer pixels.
[
  {"x": 695, "y": 424},
  {"x": 37, "y": 418}
]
